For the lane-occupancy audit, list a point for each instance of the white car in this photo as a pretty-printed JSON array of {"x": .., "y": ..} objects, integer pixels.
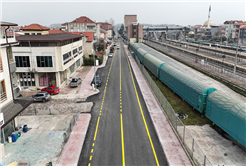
[
  {"x": 110, "y": 54},
  {"x": 118, "y": 46}
]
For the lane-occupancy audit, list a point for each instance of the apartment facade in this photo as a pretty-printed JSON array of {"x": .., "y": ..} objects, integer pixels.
[
  {"x": 11, "y": 105},
  {"x": 229, "y": 27},
  {"x": 128, "y": 19},
  {"x": 45, "y": 60},
  {"x": 82, "y": 24}
]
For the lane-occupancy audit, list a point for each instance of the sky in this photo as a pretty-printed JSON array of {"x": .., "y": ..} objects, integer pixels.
[{"x": 193, "y": 12}]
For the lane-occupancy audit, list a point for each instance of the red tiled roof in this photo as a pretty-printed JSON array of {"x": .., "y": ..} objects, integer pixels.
[
  {"x": 232, "y": 21},
  {"x": 243, "y": 27},
  {"x": 102, "y": 32},
  {"x": 241, "y": 23},
  {"x": 35, "y": 27},
  {"x": 82, "y": 19},
  {"x": 77, "y": 33},
  {"x": 89, "y": 36},
  {"x": 55, "y": 31},
  {"x": 98, "y": 54}
]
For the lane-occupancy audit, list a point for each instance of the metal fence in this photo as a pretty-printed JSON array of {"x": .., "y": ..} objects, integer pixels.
[
  {"x": 204, "y": 63},
  {"x": 195, "y": 152}
]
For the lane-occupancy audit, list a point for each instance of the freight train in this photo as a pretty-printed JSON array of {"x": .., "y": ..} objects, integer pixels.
[{"x": 224, "y": 111}]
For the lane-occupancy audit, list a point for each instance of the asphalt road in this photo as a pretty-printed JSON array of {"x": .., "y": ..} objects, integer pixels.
[{"x": 121, "y": 131}]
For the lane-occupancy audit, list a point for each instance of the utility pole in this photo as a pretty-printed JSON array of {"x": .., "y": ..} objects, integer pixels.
[{"x": 235, "y": 65}]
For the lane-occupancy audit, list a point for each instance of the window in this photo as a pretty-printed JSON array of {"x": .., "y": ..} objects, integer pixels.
[
  {"x": 75, "y": 52},
  {"x": 44, "y": 61},
  {"x": 33, "y": 34},
  {"x": 38, "y": 33},
  {"x": 66, "y": 57},
  {"x": 22, "y": 61},
  {"x": 26, "y": 33},
  {"x": 3, "y": 94},
  {"x": 80, "y": 49}
]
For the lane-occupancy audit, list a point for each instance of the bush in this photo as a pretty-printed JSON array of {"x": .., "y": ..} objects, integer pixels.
[{"x": 90, "y": 61}]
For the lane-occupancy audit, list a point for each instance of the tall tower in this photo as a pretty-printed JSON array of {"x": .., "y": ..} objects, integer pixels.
[{"x": 209, "y": 15}]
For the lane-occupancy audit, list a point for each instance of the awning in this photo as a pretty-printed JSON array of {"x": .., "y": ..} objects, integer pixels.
[{"x": 14, "y": 108}]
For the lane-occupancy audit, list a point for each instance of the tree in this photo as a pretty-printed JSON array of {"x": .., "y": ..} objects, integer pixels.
[
  {"x": 111, "y": 21},
  {"x": 121, "y": 29}
]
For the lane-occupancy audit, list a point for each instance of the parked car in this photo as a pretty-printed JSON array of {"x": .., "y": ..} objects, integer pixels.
[
  {"x": 75, "y": 82},
  {"x": 41, "y": 96},
  {"x": 98, "y": 81},
  {"x": 52, "y": 90}
]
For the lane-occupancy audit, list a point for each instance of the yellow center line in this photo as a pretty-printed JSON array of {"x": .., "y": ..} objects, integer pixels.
[
  {"x": 121, "y": 122},
  {"x": 98, "y": 120},
  {"x": 147, "y": 130}
]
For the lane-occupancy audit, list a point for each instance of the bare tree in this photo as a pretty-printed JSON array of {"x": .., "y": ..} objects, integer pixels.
[{"x": 111, "y": 21}]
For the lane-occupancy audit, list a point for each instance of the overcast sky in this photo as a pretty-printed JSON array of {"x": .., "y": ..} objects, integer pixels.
[{"x": 159, "y": 12}]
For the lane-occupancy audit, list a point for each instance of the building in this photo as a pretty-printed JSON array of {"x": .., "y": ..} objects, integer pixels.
[
  {"x": 11, "y": 105},
  {"x": 135, "y": 30},
  {"x": 106, "y": 27},
  {"x": 229, "y": 27},
  {"x": 82, "y": 24},
  {"x": 236, "y": 30},
  {"x": 44, "y": 60},
  {"x": 128, "y": 19},
  {"x": 35, "y": 29},
  {"x": 242, "y": 36},
  {"x": 132, "y": 30}
]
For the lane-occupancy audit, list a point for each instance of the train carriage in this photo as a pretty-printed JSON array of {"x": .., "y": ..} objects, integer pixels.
[
  {"x": 229, "y": 114},
  {"x": 152, "y": 64},
  {"x": 188, "y": 88}
]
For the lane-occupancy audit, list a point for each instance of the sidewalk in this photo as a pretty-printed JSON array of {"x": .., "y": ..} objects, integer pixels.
[
  {"x": 171, "y": 145},
  {"x": 72, "y": 149},
  {"x": 71, "y": 152}
]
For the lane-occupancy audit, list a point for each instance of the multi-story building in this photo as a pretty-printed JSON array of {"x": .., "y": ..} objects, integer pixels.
[
  {"x": 236, "y": 30},
  {"x": 11, "y": 105},
  {"x": 242, "y": 35},
  {"x": 82, "y": 24},
  {"x": 135, "y": 31},
  {"x": 128, "y": 19},
  {"x": 229, "y": 27},
  {"x": 132, "y": 29},
  {"x": 217, "y": 31},
  {"x": 106, "y": 27},
  {"x": 44, "y": 60},
  {"x": 35, "y": 29}
]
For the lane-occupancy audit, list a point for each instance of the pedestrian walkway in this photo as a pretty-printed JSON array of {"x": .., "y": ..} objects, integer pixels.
[
  {"x": 171, "y": 145},
  {"x": 71, "y": 152}
]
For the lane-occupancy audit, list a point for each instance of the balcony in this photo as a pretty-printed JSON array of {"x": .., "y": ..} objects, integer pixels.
[
  {"x": 3, "y": 96},
  {"x": 10, "y": 37}
]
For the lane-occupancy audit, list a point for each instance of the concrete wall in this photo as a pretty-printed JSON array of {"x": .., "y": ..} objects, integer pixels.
[
  {"x": 87, "y": 49},
  {"x": 4, "y": 75},
  {"x": 140, "y": 31}
]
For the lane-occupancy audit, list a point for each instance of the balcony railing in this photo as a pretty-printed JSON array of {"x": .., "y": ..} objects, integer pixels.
[{"x": 3, "y": 96}]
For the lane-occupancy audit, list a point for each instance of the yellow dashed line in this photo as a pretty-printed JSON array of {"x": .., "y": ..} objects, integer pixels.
[
  {"x": 90, "y": 157},
  {"x": 91, "y": 150},
  {"x": 89, "y": 164},
  {"x": 93, "y": 144}
]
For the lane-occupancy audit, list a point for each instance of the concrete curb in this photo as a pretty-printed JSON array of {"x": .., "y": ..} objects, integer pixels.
[{"x": 72, "y": 149}]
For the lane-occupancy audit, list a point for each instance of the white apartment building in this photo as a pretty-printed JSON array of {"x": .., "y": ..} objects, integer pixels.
[
  {"x": 82, "y": 24},
  {"x": 10, "y": 105},
  {"x": 44, "y": 60}
]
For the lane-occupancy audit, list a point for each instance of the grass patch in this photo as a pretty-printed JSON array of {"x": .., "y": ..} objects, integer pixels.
[{"x": 179, "y": 105}]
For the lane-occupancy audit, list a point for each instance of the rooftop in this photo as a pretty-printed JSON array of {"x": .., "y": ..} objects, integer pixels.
[
  {"x": 48, "y": 38},
  {"x": 82, "y": 19},
  {"x": 35, "y": 27}
]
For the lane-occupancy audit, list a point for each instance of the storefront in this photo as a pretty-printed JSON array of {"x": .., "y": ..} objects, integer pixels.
[
  {"x": 47, "y": 79},
  {"x": 27, "y": 79}
]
